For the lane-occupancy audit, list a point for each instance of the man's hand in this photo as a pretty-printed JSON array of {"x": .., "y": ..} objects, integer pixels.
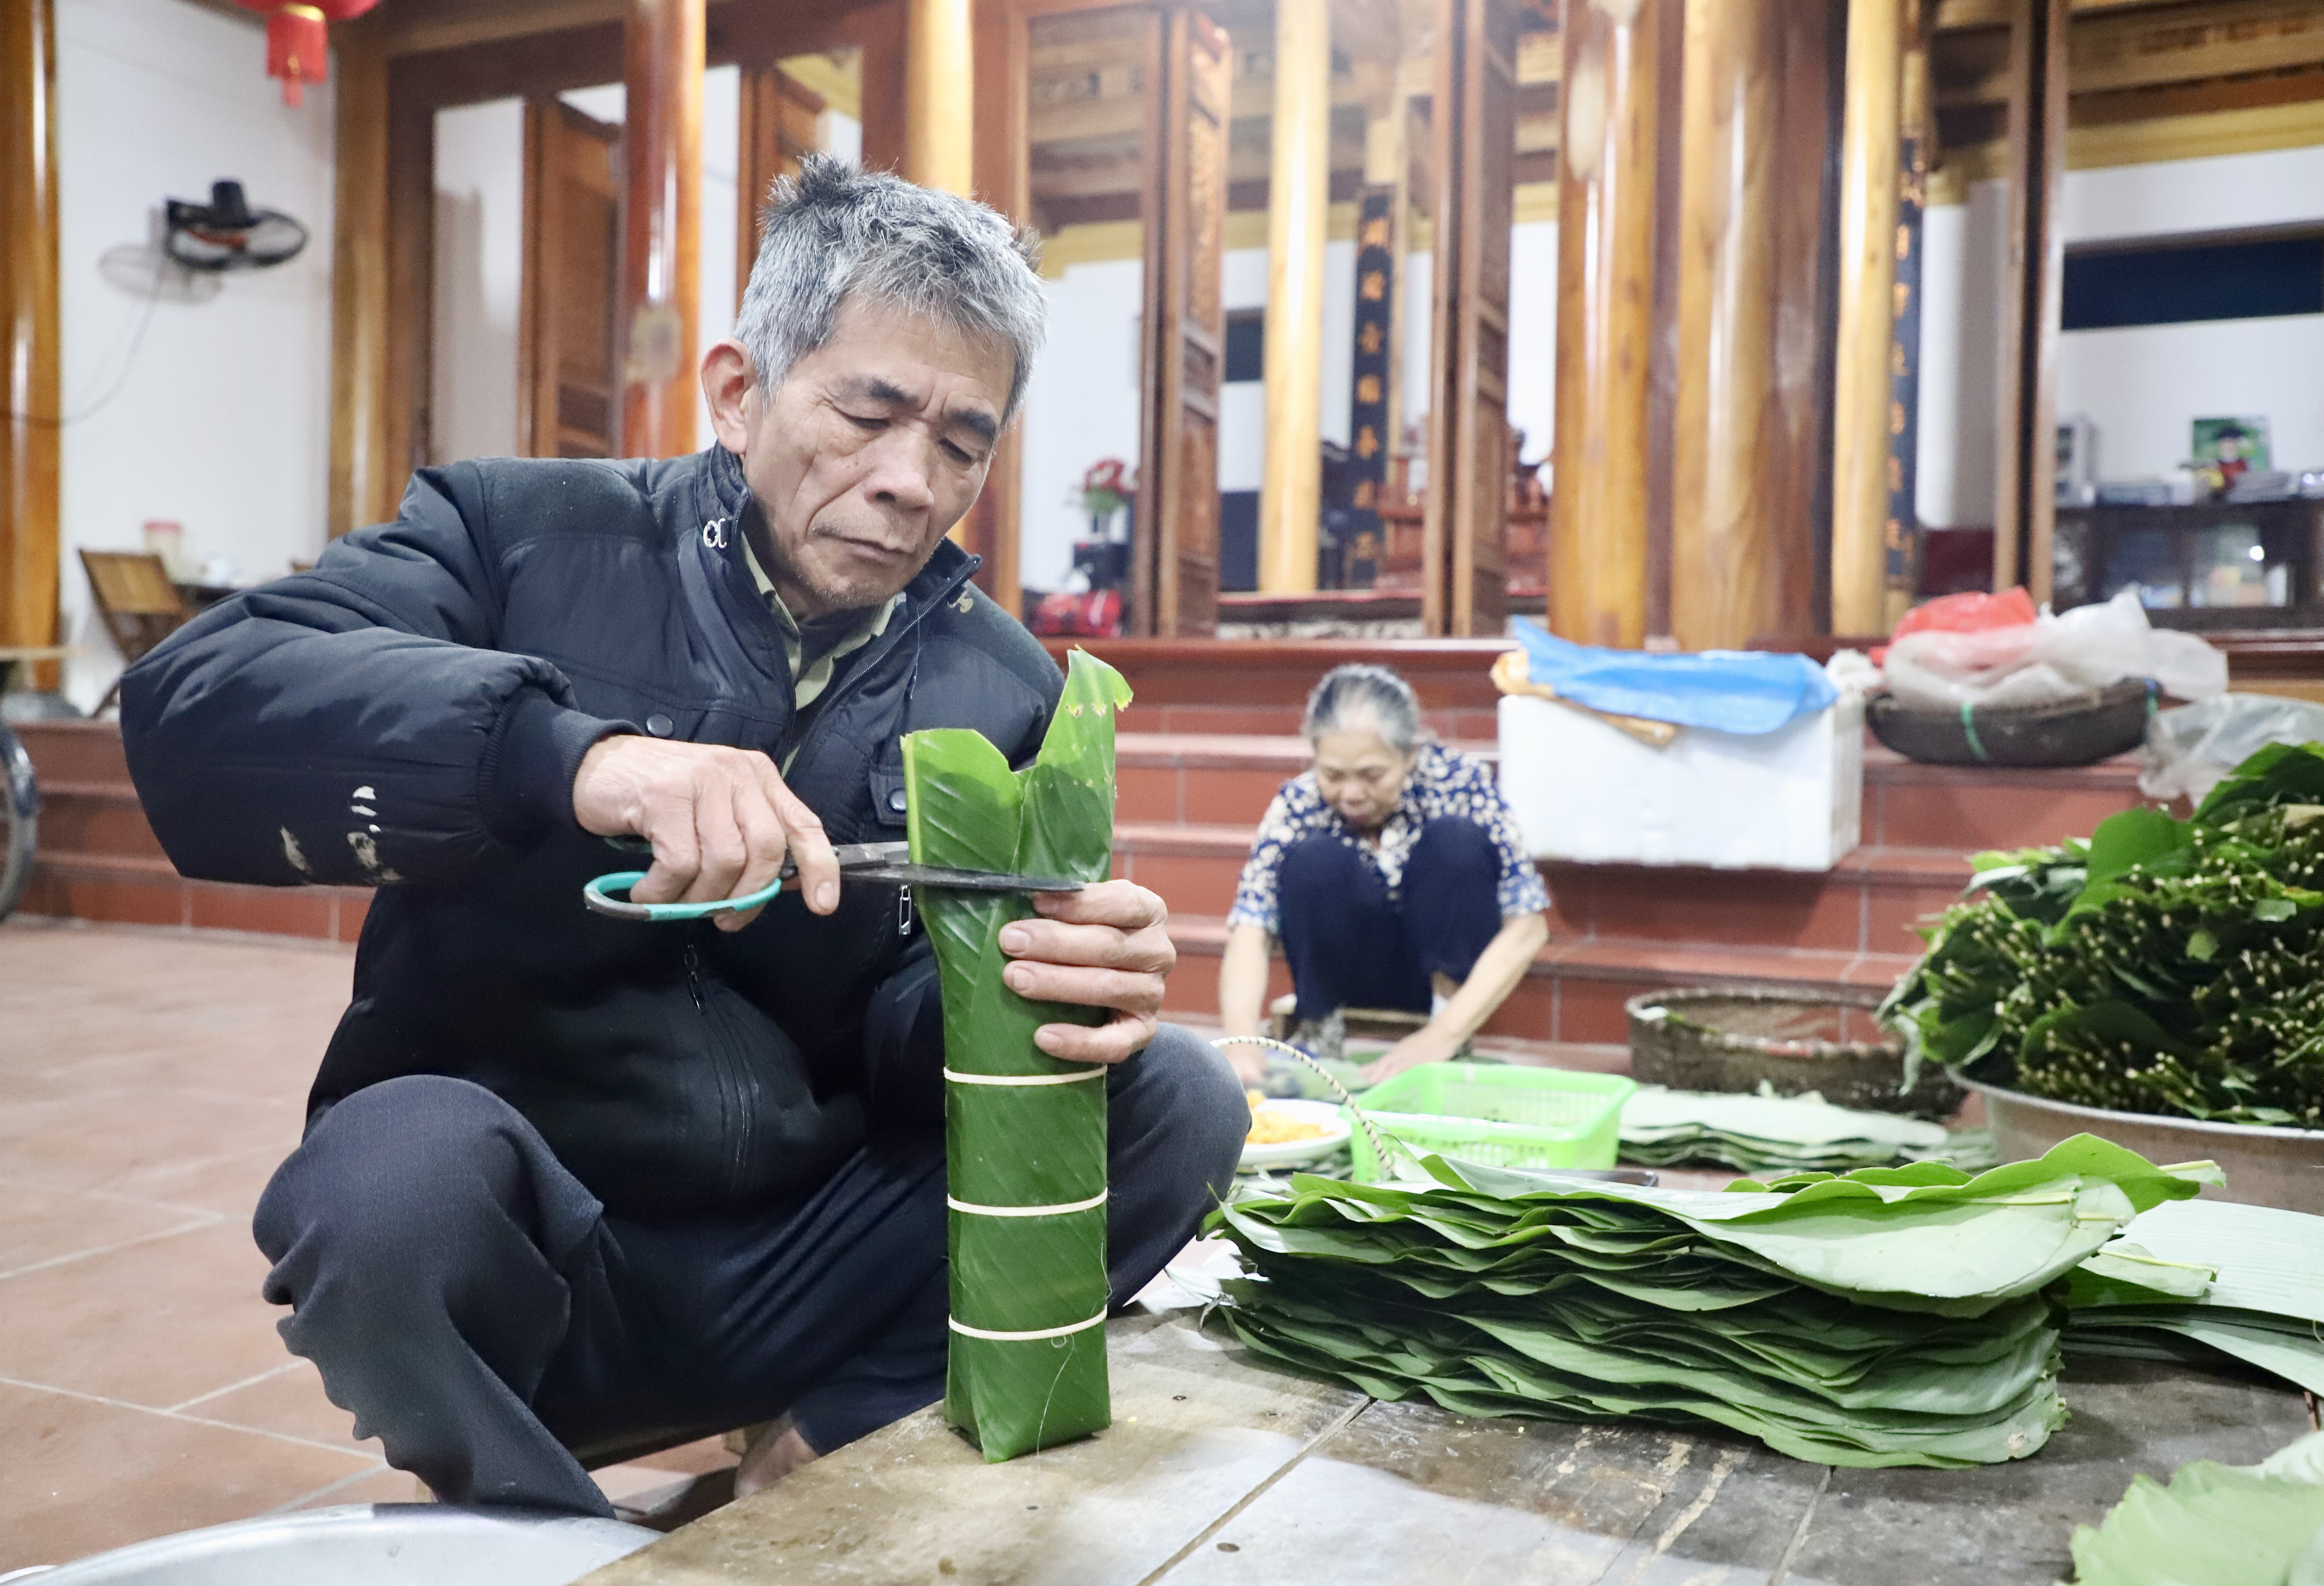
[
  {"x": 720, "y": 821},
  {"x": 1105, "y": 946}
]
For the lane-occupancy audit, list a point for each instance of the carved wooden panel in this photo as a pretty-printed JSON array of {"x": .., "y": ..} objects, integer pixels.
[
  {"x": 1465, "y": 579},
  {"x": 1177, "y": 585},
  {"x": 569, "y": 383}
]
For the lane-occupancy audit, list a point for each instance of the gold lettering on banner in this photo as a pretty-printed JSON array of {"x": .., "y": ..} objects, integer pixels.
[
  {"x": 1895, "y": 418},
  {"x": 1368, "y": 339},
  {"x": 1376, "y": 232},
  {"x": 1367, "y": 444},
  {"x": 1367, "y": 390},
  {"x": 1374, "y": 286}
]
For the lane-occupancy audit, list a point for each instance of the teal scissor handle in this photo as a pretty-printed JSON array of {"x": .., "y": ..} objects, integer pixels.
[{"x": 599, "y": 895}]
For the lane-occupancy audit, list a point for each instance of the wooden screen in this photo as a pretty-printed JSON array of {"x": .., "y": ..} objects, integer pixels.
[
  {"x": 1464, "y": 587},
  {"x": 568, "y": 385},
  {"x": 781, "y": 122},
  {"x": 1176, "y": 583}
]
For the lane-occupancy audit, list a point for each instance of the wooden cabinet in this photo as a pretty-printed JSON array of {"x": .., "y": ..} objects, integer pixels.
[{"x": 2219, "y": 564}]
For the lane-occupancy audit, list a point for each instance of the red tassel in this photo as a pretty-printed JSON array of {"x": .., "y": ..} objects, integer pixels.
[{"x": 298, "y": 50}]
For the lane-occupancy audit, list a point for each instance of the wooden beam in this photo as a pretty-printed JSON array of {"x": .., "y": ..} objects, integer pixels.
[
  {"x": 2129, "y": 49},
  {"x": 1598, "y": 575},
  {"x": 30, "y": 397},
  {"x": 939, "y": 106},
  {"x": 366, "y": 475},
  {"x": 662, "y": 225},
  {"x": 2026, "y": 505},
  {"x": 1867, "y": 253},
  {"x": 992, "y": 529},
  {"x": 877, "y": 34},
  {"x": 1742, "y": 553},
  {"x": 1291, "y": 485}
]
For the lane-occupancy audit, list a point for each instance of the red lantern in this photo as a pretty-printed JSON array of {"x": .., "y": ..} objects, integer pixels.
[{"x": 298, "y": 47}]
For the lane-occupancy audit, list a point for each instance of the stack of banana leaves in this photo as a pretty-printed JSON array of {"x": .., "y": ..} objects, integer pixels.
[
  {"x": 2215, "y": 1526},
  {"x": 1892, "y": 1317},
  {"x": 2159, "y": 966},
  {"x": 1767, "y": 1133},
  {"x": 2199, "y": 1279}
]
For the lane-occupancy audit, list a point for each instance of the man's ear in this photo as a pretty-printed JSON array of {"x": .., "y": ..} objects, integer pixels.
[{"x": 731, "y": 387}]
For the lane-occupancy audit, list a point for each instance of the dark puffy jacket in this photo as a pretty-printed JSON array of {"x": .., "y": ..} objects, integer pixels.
[{"x": 410, "y": 715}]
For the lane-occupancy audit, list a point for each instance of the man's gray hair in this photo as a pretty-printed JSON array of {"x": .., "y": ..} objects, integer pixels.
[
  {"x": 834, "y": 232},
  {"x": 1362, "y": 694}
]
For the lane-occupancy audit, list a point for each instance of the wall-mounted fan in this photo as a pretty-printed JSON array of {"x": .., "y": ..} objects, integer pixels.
[{"x": 228, "y": 234}]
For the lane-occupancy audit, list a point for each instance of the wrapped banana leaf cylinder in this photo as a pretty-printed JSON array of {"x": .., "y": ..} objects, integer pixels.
[{"x": 1024, "y": 1133}]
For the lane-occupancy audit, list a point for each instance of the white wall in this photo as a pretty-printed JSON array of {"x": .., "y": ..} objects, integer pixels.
[
  {"x": 478, "y": 281},
  {"x": 1081, "y": 404},
  {"x": 480, "y": 257},
  {"x": 2139, "y": 385},
  {"x": 222, "y": 417},
  {"x": 1532, "y": 334}
]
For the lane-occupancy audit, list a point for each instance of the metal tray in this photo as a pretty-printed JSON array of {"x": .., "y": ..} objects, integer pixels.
[{"x": 2264, "y": 1166}]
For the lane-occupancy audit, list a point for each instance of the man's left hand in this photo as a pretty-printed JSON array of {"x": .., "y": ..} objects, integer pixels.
[{"x": 1105, "y": 946}]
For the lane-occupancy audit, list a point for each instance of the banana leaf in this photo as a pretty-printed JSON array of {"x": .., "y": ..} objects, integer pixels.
[
  {"x": 1764, "y": 1132},
  {"x": 2214, "y": 1526},
  {"x": 1024, "y": 1133},
  {"x": 2201, "y": 1279},
  {"x": 1894, "y": 1317}
]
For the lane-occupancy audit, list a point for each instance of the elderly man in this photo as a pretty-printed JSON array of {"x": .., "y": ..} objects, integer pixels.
[{"x": 567, "y": 1181}]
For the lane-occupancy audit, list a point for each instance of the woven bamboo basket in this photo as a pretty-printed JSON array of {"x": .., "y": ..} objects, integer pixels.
[
  {"x": 1794, "y": 1040},
  {"x": 2080, "y": 731}
]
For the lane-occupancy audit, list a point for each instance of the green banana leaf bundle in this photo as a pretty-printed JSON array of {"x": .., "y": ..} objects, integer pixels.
[
  {"x": 2214, "y": 1526},
  {"x": 1024, "y": 1133},
  {"x": 1892, "y": 1316},
  {"x": 2196, "y": 1280},
  {"x": 1767, "y": 1133},
  {"x": 2159, "y": 966}
]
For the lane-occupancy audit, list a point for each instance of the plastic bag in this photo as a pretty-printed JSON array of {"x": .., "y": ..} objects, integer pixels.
[
  {"x": 2051, "y": 659},
  {"x": 1972, "y": 612},
  {"x": 1729, "y": 690},
  {"x": 2191, "y": 750}
]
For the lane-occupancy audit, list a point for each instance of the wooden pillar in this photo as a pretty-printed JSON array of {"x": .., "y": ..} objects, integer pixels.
[
  {"x": 939, "y": 107},
  {"x": 1597, "y": 589},
  {"x": 1869, "y": 143},
  {"x": 30, "y": 395},
  {"x": 664, "y": 46},
  {"x": 1742, "y": 566},
  {"x": 2026, "y": 505},
  {"x": 366, "y": 477},
  {"x": 1004, "y": 181},
  {"x": 1298, "y": 197}
]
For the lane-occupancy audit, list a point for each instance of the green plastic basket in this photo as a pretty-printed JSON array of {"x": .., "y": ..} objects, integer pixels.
[{"x": 1501, "y": 1115}]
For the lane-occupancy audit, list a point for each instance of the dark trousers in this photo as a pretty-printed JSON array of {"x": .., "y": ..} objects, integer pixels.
[
  {"x": 479, "y": 1311},
  {"x": 1351, "y": 945}
]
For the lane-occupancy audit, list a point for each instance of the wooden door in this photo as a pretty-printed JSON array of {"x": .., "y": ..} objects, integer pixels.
[
  {"x": 569, "y": 386},
  {"x": 781, "y": 123},
  {"x": 1464, "y": 587},
  {"x": 1176, "y": 589}
]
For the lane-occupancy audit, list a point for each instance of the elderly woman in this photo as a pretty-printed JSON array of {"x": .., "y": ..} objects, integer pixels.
[{"x": 1394, "y": 877}]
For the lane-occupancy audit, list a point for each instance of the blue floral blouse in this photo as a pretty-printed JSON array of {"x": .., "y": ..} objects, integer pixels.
[{"x": 1446, "y": 782}]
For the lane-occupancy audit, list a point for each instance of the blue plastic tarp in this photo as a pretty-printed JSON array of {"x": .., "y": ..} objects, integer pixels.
[{"x": 1731, "y": 690}]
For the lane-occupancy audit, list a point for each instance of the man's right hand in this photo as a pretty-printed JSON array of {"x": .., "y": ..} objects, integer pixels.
[{"x": 720, "y": 821}]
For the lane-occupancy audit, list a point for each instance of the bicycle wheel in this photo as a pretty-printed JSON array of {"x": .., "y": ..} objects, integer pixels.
[{"x": 20, "y": 808}]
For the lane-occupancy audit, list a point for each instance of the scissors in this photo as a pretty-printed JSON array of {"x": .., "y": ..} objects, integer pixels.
[{"x": 891, "y": 862}]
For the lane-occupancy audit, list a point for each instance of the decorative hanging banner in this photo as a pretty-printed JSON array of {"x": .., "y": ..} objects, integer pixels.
[{"x": 1024, "y": 1135}]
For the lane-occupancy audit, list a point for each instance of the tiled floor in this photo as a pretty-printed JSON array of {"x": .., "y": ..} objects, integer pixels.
[{"x": 150, "y": 1081}]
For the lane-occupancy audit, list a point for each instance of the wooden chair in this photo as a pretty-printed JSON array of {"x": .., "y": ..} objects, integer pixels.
[{"x": 140, "y": 605}]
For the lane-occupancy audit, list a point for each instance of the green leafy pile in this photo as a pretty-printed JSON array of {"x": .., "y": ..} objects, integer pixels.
[
  {"x": 2158, "y": 967},
  {"x": 2214, "y": 1526},
  {"x": 1024, "y": 1134},
  {"x": 1767, "y": 1133},
  {"x": 1894, "y": 1317},
  {"x": 2196, "y": 1280}
]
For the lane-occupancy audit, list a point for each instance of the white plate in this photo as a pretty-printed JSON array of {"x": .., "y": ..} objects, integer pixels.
[{"x": 1291, "y": 1153}]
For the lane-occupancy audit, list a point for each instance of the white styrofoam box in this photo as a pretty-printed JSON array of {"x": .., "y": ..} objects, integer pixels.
[{"x": 1789, "y": 799}]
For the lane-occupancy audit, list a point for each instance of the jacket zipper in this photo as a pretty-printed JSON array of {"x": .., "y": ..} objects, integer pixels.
[{"x": 734, "y": 1090}]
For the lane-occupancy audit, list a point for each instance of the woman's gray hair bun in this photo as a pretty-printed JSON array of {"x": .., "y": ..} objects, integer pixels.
[{"x": 1363, "y": 694}]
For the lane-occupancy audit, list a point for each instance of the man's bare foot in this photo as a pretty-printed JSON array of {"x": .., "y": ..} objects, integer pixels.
[{"x": 773, "y": 1454}]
